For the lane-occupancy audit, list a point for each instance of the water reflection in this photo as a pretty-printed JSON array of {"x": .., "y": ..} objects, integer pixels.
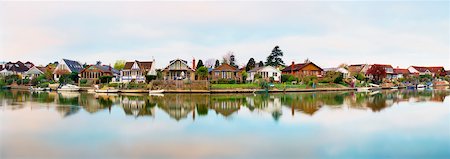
[{"x": 184, "y": 106}]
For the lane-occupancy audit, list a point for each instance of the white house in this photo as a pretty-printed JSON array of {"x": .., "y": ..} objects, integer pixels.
[
  {"x": 266, "y": 72},
  {"x": 35, "y": 71},
  {"x": 344, "y": 71},
  {"x": 137, "y": 70},
  {"x": 66, "y": 66}
]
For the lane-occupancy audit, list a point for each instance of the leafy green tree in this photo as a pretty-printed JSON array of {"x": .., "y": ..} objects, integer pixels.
[
  {"x": 74, "y": 76},
  {"x": 119, "y": 64},
  {"x": 105, "y": 79},
  {"x": 244, "y": 76},
  {"x": 250, "y": 64},
  {"x": 199, "y": 64},
  {"x": 274, "y": 59},
  {"x": 202, "y": 72}
]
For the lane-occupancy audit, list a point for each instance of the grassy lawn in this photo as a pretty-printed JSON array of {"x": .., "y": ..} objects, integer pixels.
[{"x": 277, "y": 86}]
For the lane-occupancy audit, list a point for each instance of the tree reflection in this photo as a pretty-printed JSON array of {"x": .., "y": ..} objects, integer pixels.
[{"x": 184, "y": 106}]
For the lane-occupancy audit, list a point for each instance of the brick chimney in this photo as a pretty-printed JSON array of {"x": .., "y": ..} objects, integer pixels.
[
  {"x": 292, "y": 67},
  {"x": 193, "y": 63}
]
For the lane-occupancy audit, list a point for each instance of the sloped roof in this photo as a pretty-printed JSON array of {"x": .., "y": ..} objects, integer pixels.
[
  {"x": 74, "y": 66},
  {"x": 29, "y": 63},
  {"x": 103, "y": 68},
  {"x": 256, "y": 69},
  {"x": 143, "y": 65},
  {"x": 401, "y": 71},
  {"x": 182, "y": 61},
  {"x": 16, "y": 67},
  {"x": 297, "y": 67},
  {"x": 112, "y": 69},
  {"x": 226, "y": 67},
  {"x": 433, "y": 69}
]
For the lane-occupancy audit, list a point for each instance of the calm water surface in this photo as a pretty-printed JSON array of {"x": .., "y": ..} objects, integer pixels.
[{"x": 394, "y": 124}]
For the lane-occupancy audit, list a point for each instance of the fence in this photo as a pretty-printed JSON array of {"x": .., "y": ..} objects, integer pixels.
[{"x": 181, "y": 84}]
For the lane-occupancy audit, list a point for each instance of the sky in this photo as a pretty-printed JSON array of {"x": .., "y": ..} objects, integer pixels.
[{"x": 402, "y": 33}]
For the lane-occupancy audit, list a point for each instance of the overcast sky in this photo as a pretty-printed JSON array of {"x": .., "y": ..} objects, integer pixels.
[{"x": 328, "y": 33}]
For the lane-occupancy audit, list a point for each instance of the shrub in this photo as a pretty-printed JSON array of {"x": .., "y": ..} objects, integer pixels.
[
  {"x": 43, "y": 85},
  {"x": 113, "y": 85},
  {"x": 257, "y": 76},
  {"x": 9, "y": 81},
  {"x": 83, "y": 81},
  {"x": 232, "y": 82},
  {"x": 26, "y": 81},
  {"x": 105, "y": 79}
]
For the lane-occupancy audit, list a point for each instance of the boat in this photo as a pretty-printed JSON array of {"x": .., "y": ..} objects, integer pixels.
[
  {"x": 363, "y": 89},
  {"x": 395, "y": 87},
  {"x": 421, "y": 86},
  {"x": 156, "y": 91},
  {"x": 37, "y": 89},
  {"x": 106, "y": 91},
  {"x": 68, "y": 87}
]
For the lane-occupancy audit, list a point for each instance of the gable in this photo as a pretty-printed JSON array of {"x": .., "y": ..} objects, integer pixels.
[
  {"x": 135, "y": 66},
  {"x": 178, "y": 65},
  {"x": 226, "y": 67}
]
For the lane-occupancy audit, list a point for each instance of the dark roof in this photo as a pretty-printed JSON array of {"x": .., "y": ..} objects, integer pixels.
[
  {"x": 29, "y": 64},
  {"x": 112, "y": 69},
  {"x": 16, "y": 67},
  {"x": 143, "y": 65},
  {"x": 296, "y": 67},
  {"x": 103, "y": 68},
  {"x": 74, "y": 66}
]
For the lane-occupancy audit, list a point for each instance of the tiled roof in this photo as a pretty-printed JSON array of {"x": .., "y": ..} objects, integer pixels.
[
  {"x": 297, "y": 67},
  {"x": 143, "y": 65},
  {"x": 16, "y": 67},
  {"x": 226, "y": 67},
  {"x": 401, "y": 71}
]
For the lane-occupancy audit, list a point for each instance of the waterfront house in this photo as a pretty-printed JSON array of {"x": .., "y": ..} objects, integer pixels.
[
  {"x": 387, "y": 68},
  {"x": 178, "y": 70},
  {"x": 92, "y": 73},
  {"x": 358, "y": 68},
  {"x": 266, "y": 73},
  {"x": 344, "y": 71},
  {"x": 136, "y": 71},
  {"x": 35, "y": 71},
  {"x": 226, "y": 71},
  {"x": 307, "y": 68},
  {"x": 447, "y": 73},
  {"x": 400, "y": 73},
  {"x": 422, "y": 70},
  {"x": 17, "y": 68},
  {"x": 66, "y": 66}
]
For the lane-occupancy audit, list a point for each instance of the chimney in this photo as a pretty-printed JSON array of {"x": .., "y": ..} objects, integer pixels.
[
  {"x": 110, "y": 67},
  {"x": 292, "y": 67},
  {"x": 193, "y": 63}
]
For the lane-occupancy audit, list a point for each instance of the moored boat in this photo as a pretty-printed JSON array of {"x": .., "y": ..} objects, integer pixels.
[
  {"x": 69, "y": 87},
  {"x": 106, "y": 91},
  {"x": 156, "y": 91}
]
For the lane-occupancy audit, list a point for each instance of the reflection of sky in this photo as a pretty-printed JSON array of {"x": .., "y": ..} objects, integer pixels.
[{"x": 405, "y": 130}]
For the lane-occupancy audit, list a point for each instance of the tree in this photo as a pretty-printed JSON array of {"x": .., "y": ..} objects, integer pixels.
[
  {"x": 199, "y": 64},
  {"x": 202, "y": 72},
  {"x": 274, "y": 59},
  {"x": 119, "y": 65},
  {"x": 244, "y": 76},
  {"x": 250, "y": 64},
  {"x": 378, "y": 73},
  {"x": 74, "y": 76},
  {"x": 260, "y": 64},
  {"x": 210, "y": 63},
  {"x": 217, "y": 64},
  {"x": 105, "y": 79},
  {"x": 227, "y": 57}
]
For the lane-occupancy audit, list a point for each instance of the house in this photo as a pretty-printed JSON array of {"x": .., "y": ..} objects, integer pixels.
[
  {"x": 387, "y": 68},
  {"x": 137, "y": 71},
  {"x": 447, "y": 73},
  {"x": 17, "y": 68},
  {"x": 400, "y": 73},
  {"x": 178, "y": 70},
  {"x": 344, "y": 71},
  {"x": 66, "y": 66},
  {"x": 266, "y": 72},
  {"x": 225, "y": 71},
  {"x": 35, "y": 72},
  {"x": 93, "y": 72},
  {"x": 422, "y": 70},
  {"x": 303, "y": 69},
  {"x": 358, "y": 68}
]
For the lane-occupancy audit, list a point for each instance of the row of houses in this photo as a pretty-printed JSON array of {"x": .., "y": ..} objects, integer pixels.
[{"x": 178, "y": 69}]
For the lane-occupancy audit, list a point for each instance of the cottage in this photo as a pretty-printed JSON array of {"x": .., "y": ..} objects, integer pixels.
[
  {"x": 433, "y": 71},
  {"x": 66, "y": 66},
  {"x": 400, "y": 73},
  {"x": 178, "y": 70},
  {"x": 137, "y": 71},
  {"x": 35, "y": 71},
  {"x": 344, "y": 71},
  {"x": 92, "y": 73},
  {"x": 303, "y": 69},
  {"x": 358, "y": 68},
  {"x": 266, "y": 72},
  {"x": 226, "y": 71}
]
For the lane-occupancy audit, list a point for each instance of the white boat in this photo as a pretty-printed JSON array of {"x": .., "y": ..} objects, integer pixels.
[
  {"x": 37, "y": 89},
  {"x": 395, "y": 87},
  {"x": 157, "y": 94},
  {"x": 363, "y": 89},
  {"x": 69, "y": 87},
  {"x": 106, "y": 91},
  {"x": 156, "y": 91},
  {"x": 420, "y": 86}
]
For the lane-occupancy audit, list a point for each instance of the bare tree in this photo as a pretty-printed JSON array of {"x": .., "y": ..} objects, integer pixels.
[
  {"x": 227, "y": 57},
  {"x": 210, "y": 63}
]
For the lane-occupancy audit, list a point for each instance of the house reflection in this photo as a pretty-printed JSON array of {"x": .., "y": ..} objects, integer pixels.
[{"x": 184, "y": 106}]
